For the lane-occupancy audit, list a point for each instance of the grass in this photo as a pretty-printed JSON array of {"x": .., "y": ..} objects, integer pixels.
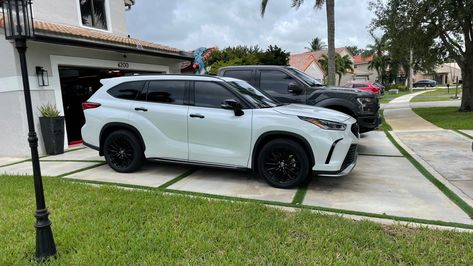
[
  {"x": 389, "y": 97},
  {"x": 107, "y": 225},
  {"x": 446, "y": 117},
  {"x": 440, "y": 94}
]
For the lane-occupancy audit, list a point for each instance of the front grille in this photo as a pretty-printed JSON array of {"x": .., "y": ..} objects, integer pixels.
[
  {"x": 355, "y": 129},
  {"x": 351, "y": 156}
]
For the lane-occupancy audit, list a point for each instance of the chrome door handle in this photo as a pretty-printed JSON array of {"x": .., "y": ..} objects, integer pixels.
[
  {"x": 141, "y": 109},
  {"x": 197, "y": 116}
]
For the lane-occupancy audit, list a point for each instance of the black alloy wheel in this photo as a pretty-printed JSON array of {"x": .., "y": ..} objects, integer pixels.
[
  {"x": 123, "y": 151},
  {"x": 283, "y": 163}
]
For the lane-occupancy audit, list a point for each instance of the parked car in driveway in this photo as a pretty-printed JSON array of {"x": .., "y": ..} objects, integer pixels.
[
  {"x": 289, "y": 85},
  {"x": 425, "y": 83},
  {"x": 215, "y": 122},
  {"x": 366, "y": 86}
]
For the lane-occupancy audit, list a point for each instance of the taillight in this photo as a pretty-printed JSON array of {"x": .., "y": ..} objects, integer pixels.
[{"x": 89, "y": 105}]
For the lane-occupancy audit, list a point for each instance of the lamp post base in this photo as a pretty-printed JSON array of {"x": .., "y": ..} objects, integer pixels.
[{"x": 45, "y": 246}]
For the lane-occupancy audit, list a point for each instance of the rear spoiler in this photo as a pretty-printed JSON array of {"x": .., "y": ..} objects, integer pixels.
[{"x": 103, "y": 81}]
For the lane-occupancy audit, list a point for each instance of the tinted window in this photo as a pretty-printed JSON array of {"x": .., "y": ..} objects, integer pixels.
[
  {"x": 239, "y": 74},
  {"x": 93, "y": 13},
  {"x": 359, "y": 85},
  {"x": 275, "y": 81},
  {"x": 127, "y": 90},
  {"x": 210, "y": 94},
  {"x": 166, "y": 91}
]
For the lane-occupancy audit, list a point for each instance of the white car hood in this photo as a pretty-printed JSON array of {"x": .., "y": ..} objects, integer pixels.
[{"x": 312, "y": 111}]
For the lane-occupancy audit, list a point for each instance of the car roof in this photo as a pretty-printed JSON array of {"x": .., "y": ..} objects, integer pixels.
[
  {"x": 254, "y": 66},
  {"x": 119, "y": 80}
]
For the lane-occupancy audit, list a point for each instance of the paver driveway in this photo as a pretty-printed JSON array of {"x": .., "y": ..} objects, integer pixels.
[{"x": 383, "y": 182}]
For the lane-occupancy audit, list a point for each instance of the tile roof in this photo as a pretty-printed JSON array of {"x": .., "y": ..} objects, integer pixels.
[
  {"x": 304, "y": 60},
  {"x": 361, "y": 59},
  {"x": 50, "y": 29}
]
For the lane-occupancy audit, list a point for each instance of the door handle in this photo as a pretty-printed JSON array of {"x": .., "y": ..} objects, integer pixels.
[
  {"x": 197, "y": 116},
  {"x": 141, "y": 109}
]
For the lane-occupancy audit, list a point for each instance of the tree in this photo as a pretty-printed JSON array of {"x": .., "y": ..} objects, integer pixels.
[
  {"x": 244, "y": 55},
  {"x": 330, "y": 9},
  {"x": 316, "y": 45},
  {"x": 444, "y": 27},
  {"x": 342, "y": 65}
]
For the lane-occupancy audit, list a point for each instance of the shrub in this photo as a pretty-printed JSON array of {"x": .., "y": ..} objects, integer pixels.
[
  {"x": 49, "y": 110},
  {"x": 399, "y": 87}
]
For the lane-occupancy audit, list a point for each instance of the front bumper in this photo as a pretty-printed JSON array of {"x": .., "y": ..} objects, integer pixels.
[
  {"x": 347, "y": 166},
  {"x": 369, "y": 122}
]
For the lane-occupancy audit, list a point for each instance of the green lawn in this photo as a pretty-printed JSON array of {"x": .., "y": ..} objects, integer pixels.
[
  {"x": 440, "y": 94},
  {"x": 389, "y": 97},
  {"x": 106, "y": 225},
  {"x": 447, "y": 117}
]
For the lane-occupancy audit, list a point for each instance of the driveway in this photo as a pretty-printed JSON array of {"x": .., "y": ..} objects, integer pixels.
[{"x": 383, "y": 182}]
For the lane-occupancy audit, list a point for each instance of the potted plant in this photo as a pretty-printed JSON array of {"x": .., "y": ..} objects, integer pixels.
[{"x": 52, "y": 128}]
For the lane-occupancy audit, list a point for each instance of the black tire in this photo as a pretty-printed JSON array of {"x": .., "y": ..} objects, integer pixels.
[
  {"x": 283, "y": 163},
  {"x": 123, "y": 151}
]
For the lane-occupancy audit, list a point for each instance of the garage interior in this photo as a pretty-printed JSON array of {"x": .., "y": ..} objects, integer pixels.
[{"x": 77, "y": 85}]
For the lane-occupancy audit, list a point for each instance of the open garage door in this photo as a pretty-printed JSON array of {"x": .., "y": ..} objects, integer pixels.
[{"x": 77, "y": 85}]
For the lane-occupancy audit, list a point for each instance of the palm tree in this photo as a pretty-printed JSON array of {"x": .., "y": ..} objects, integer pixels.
[
  {"x": 380, "y": 61},
  {"x": 316, "y": 45},
  {"x": 330, "y": 9},
  {"x": 343, "y": 64}
]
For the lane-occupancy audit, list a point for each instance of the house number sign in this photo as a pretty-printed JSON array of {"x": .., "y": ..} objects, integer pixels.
[{"x": 123, "y": 65}]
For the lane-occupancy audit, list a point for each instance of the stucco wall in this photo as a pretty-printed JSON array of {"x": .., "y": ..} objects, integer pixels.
[
  {"x": 362, "y": 69},
  {"x": 68, "y": 12},
  {"x": 13, "y": 127}
]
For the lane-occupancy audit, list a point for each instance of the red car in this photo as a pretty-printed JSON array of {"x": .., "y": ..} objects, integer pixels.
[{"x": 365, "y": 85}]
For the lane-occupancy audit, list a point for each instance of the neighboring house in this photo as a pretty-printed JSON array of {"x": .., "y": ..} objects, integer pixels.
[
  {"x": 308, "y": 62},
  {"x": 78, "y": 42},
  {"x": 362, "y": 71},
  {"x": 447, "y": 73}
]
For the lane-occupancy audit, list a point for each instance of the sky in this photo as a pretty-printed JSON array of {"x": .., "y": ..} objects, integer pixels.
[{"x": 190, "y": 24}]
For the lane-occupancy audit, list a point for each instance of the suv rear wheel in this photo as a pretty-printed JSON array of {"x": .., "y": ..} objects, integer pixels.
[
  {"x": 123, "y": 151},
  {"x": 283, "y": 163}
]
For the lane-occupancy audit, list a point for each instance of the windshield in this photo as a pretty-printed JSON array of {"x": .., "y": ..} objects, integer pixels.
[
  {"x": 306, "y": 78},
  {"x": 253, "y": 95}
]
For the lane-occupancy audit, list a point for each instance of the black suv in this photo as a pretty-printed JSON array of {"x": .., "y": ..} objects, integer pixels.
[{"x": 289, "y": 85}]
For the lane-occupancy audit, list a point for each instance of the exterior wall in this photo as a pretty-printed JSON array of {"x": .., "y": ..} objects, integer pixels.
[
  {"x": 447, "y": 73},
  {"x": 362, "y": 70},
  {"x": 49, "y": 56},
  {"x": 314, "y": 71},
  {"x": 68, "y": 12}
]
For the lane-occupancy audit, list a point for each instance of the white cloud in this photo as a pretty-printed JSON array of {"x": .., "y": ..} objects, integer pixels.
[{"x": 188, "y": 24}]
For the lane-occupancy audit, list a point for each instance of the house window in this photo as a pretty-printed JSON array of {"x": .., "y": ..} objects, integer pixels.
[{"x": 93, "y": 13}]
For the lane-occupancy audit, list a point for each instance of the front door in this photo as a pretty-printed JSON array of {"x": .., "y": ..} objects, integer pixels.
[
  {"x": 216, "y": 135},
  {"x": 276, "y": 83}
]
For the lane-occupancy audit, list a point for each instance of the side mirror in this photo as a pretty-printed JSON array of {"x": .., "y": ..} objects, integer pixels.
[
  {"x": 234, "y": 105},
  {"x": 294, "y": 88}
]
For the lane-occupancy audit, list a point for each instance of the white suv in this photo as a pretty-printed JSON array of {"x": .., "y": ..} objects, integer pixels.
[{"x": 221, "y": 122}]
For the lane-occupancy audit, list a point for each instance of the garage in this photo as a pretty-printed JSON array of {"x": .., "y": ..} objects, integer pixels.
[{"x": 77, "y": 85}]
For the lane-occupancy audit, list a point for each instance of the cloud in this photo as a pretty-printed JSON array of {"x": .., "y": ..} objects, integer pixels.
[{"x": 188, "y": 24}]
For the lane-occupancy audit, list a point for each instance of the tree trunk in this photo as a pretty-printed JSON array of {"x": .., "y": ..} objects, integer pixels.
[
  {"x": 467, "y": 92},
  {"x": 330, "y": 5}
]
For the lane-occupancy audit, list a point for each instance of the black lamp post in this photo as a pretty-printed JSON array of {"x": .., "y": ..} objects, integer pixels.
[{"x": 18, "y": 24}]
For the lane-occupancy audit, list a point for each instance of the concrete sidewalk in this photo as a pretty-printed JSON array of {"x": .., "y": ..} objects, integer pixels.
[{"x": 446, "y": 152}]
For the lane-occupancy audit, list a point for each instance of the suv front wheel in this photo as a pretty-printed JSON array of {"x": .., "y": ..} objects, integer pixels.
[
  {"x": 283, "y": 163},
  {"x": 123, "y": 151}
]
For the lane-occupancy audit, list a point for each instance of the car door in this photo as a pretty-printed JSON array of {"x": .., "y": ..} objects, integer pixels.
[
  {"x": 216, "y": 135},
  {"x": 161, "y": 115},
  {"x": 276, "y": 83}
]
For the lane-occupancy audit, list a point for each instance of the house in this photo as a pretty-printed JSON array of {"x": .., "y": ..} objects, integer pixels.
[
  {"x": 308, "y": 63},
  {"x": 446, "y": 73},
  {"x": 77, "y": 43},
  {"x": 362, "y": 71}
]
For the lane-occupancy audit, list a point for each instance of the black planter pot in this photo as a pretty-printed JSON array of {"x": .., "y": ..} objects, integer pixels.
[{"x": 52, "y": 129}]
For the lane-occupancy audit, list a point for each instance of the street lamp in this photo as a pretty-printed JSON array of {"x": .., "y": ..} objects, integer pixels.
[{"x": 18, "y": 24}]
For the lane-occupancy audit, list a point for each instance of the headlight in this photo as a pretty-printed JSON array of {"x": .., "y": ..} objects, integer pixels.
[
  {"x": 366, "y": 103},
  {"x": 324, "y": 124}
]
